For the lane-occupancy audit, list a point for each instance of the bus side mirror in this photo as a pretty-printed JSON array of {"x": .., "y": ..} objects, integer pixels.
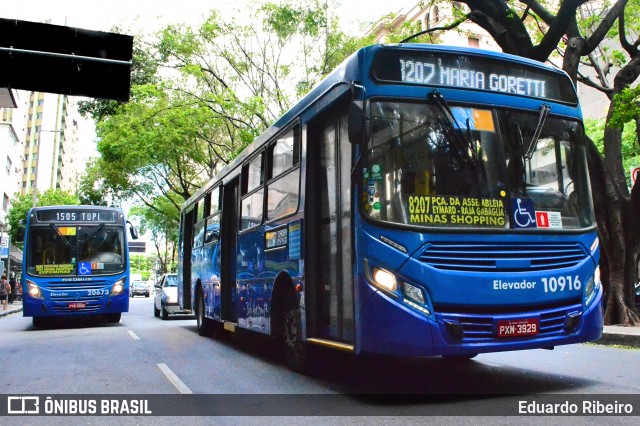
[
  {"x": 355, "y": 122},
  {"x": 133, "y": 230}
]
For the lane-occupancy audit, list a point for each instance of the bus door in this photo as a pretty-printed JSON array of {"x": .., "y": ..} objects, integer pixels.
[
  {"x": 185, "y": 244},
  {"x": 328, "y": 264},
  {"x": 228, "y": 245}
]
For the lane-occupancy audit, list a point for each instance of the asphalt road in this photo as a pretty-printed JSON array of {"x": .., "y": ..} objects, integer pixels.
[{"x": 145, "y": 355}]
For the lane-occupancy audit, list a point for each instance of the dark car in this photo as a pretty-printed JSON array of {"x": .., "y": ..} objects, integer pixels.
[
  {"x": 637, "y": 299},
  {"x": 139, "y": 288}
]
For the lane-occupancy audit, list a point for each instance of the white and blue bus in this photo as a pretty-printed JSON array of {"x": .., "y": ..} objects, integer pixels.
[
  {"x": 75, "y": 263},
  {"x": 422, "y": 200}
]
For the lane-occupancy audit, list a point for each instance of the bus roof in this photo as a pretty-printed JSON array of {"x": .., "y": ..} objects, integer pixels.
[{"x": 350, "y": 71}]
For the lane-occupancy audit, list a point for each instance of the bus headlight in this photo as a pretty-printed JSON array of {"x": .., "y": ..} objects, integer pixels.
[
  {"x": 34, "y": 290},
  {"x": 118, "y": 287},
  {"x": 592, "y": 284},
  {"x": 381, "y": 278},
  {"x": 414, "y": 297},
  {"x": 412, "y": 292}
]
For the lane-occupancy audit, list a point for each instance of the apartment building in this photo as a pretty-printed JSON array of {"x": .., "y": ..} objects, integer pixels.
[{"x": 51, "y": 145}]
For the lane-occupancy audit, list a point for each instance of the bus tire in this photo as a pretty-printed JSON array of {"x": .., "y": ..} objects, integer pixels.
[
  {"x": 156, "y": 311},
  {"x": 39, "y": 322},
  {"x": 114, "y": 318},
  {"x": 295, "y": 350},
  {"x": 205, "y": 325}
]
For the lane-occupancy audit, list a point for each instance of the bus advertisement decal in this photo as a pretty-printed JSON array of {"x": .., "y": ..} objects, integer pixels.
[
  {"x": 276, "y": 239},
  {"x": 295, "y": 240},
  {"x": 452, "y": 210},
  {"x": 63, "y": 269}
]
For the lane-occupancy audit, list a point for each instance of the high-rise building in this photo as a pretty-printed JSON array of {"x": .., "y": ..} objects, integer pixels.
[
  {"x": 51, "y": 140},
  {"x": 12, "y": 129}
]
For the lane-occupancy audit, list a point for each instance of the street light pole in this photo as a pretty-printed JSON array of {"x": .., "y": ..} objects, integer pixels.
[{"x": 35, "y": 179}]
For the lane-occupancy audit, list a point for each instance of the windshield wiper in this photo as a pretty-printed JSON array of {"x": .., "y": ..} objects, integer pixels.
[
  {"x": 521, "y": 160},
  {"x": 62, "y": 237},
  {"x": 464, "y": 145},
  {"x": 544, "y": 111}
]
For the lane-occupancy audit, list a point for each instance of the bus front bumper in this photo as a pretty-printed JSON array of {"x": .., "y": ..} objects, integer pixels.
[
  {"x": 389, "y": 328},
  {"x": 33, "y": 307}
]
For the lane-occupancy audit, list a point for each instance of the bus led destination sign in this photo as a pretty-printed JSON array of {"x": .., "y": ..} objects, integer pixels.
[
  {"x": 71, "y": 215},
  {"x": 473, "y": 73}
]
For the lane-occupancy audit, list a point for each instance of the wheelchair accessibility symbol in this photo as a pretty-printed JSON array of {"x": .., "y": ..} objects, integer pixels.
[
  {"x": 84, "y": 268},
  {"x": 523, "y": 213}
]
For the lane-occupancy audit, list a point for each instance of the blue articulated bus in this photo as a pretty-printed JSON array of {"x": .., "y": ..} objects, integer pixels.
[
  {"x": 422, "y": 200},
  {"x": 75, "y": 263}
]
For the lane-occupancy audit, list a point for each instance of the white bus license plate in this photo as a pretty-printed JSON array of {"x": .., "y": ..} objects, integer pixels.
[
  {"x": 77, "y": 305},
  {"x": 519, "y": 327}
]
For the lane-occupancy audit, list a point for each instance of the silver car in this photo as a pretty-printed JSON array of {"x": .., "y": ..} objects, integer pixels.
[{"x": 166, "y": 298}]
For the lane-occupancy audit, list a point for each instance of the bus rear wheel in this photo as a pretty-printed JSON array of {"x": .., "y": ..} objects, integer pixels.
[
  {"x": 295, "y": 350},
  {"x": 205, "y": 325}
]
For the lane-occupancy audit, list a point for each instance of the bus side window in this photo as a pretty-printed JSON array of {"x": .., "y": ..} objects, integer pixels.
[
  {"x": 252, "y": 193},
  {"x": 284, "y": 187}
]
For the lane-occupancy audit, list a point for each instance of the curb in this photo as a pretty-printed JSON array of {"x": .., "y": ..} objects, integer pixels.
[
  {"x": 9, "y": 312},
  {"x": 619, "y": 339}
]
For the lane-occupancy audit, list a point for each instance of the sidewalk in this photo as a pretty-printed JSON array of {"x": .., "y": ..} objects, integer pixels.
[
  {"x": 611, "y": 335},
  {"x": 16, "y": 306},
  {"x": 619, "y": 335}
]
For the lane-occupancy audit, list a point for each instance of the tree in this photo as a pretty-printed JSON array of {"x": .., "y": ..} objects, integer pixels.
[
  {"x": 162, "y": 222},
  {"x": 230, "y": 81},
  {"x": 21, "y": 205},
  {"x": 539, "y": 30}
]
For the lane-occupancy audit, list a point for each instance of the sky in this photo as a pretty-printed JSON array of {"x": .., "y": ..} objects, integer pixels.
[{"x": 147, "y": 16}]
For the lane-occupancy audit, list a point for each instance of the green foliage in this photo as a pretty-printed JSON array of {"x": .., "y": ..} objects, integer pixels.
[
  {"x": 21, "y": 205},
  {"x": 630, "y": 149},
  {"x": 626, "y": 107},
  {"x": 222, "y": 84}
]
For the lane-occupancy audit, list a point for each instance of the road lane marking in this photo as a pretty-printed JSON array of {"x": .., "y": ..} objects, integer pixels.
[
  {"x": 133, "y": 335},
  {"x": 175, "y": 380}
]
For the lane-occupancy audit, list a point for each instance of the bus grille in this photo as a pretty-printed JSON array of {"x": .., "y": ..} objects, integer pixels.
[
  {"x": 483, "y": 257},
  {"x": 478, "y": 324}
]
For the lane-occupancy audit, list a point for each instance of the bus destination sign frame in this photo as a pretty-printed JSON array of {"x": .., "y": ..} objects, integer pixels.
[
  {"x": 73, "y": 215},
  {"x": 441, "y": 69}
]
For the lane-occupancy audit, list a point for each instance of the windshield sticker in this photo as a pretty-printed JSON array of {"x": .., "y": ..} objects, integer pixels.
[
  {"x": 84, "y": 268},
  {"x": 66, "y": 268},
  {"x": 96, "y": 265},
  {"x": 427, "y": 210},
  {"x": 67, "y": 231},
  {"x": 376, "y": 172},
  {"x": 523, "y": 214},
  {"x": 552, "y": 220}
]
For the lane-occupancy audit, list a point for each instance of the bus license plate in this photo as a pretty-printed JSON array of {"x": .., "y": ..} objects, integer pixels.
[
  {"x": 77, "y": 305},
  {"x": 519, "y": 327}
]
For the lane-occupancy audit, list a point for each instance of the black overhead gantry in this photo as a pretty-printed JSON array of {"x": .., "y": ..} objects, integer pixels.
[{"x": 65, "y": 60}]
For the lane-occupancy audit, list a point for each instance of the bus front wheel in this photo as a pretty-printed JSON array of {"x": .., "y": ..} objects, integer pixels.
[
  {"x": 295, "y": 350},
  {"x": 39, "y": 322},
  {"x": 114, "y": 318}
]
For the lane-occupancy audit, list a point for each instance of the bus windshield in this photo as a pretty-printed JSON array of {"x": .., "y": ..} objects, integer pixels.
[
  {"x": 429, "y": 164},
  {"x": 66, "y": 249}
]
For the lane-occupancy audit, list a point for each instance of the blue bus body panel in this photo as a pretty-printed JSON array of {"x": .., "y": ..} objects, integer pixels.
[{"x": 510, "y": 286}]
